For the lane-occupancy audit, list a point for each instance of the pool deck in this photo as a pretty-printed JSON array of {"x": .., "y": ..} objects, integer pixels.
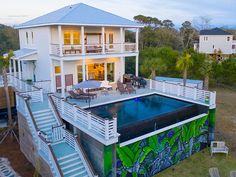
[{"x": 111, "y": 97}]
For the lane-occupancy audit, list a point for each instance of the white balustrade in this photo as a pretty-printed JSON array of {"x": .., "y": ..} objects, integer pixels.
[
  {"x": 129, "y": 47},
  {"x": 45, "y": 85},
  {"x": 94, "y": 124},
  {"x": 186, "y": 92},
  {"x": 58, "y": 133}
]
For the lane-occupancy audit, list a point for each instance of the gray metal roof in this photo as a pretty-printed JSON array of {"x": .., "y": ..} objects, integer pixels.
[
  {"x": 21, "y": 53},
  {"x": 79, "y": 14},
  {"x": 215, "y": 31}
]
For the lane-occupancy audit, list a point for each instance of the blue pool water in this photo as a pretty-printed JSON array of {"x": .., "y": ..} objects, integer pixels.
[{"x": 139, "y": 109}]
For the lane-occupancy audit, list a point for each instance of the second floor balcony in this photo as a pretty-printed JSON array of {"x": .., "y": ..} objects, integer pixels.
[{"x": 74, "y": 41}]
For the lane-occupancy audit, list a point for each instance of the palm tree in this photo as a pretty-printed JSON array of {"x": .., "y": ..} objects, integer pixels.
[
  {"x": 205, "y": 70},
  {"x": 152, "y": 62},
  {"x": 4, "y": 65},
  {"x": 183, "y": 64}
]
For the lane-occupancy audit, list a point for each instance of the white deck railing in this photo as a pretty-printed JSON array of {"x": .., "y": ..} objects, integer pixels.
[
  {"x": 189, "y": 93},
  {"x": 45, "y": 85},
  {"x": 101, "y": 129}
]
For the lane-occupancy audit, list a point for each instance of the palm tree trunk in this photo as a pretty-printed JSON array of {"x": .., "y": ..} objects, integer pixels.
[
  {"x": 153, "y": 75},
  {"x": 185, "y": 77},
  {"x": 5, "y": 82},
  {"x": 206, "y": 82}
]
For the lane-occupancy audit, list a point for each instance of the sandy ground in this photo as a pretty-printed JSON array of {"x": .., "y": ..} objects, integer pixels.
[{"x": 11, "y": 150}]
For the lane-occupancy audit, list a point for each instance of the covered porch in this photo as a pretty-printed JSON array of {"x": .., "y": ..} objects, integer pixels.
[{"x": 66, "y": 73}]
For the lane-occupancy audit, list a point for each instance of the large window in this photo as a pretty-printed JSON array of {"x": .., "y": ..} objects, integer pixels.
[
  {"x": 111, "y": 72},
  {"x": 96, "y": 71},
  {"x": 76, "y": 38},
  {"x": 67, "y": 36}
]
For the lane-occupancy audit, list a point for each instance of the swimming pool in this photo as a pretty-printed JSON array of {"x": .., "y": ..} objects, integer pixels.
[
  {"x": 144, "y": 114},
  {"x": 138, "y": 109}
]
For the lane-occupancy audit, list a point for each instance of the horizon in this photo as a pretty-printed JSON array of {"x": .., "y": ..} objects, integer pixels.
[{"x": 178, "y": 12}]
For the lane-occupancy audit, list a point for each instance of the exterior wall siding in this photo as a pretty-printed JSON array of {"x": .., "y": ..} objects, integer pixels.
[
  {"x": 154, "y": 154},
  {"x": 28, "y": 148},
  {"x": 218, "y": 41}
]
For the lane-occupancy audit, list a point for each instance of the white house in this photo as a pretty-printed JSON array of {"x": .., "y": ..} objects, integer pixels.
[
  {"x": 73, "y": 44},
  {"x": 214, "y": 40}
]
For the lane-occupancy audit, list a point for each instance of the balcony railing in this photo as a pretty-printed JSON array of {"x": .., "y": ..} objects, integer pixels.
[
  {"x": 70, "y": 50},
  {"x": 104, "y": 130}
]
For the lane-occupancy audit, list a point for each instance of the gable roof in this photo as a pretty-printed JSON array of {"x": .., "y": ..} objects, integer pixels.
[
  {"x": 215, "y": 31},
  {"x": 79, "y": 14}
]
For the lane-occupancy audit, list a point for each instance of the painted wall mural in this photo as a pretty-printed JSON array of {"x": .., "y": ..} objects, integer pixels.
[{"x": 152, "y": 155}]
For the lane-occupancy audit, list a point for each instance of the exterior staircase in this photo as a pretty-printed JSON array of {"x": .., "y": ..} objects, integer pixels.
[
  {"x": 45, "y": 120},
  {"x": 55, "y": 144},
  {"x": 69, "y": 161}
]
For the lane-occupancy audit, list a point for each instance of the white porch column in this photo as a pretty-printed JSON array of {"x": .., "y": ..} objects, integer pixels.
[
  {"x": 137, "y": 39},
  {"x": 14, "y": 67},
  {"x": 122, "y": 68},
  {"x": 19, "y": 69},
  {"x": 53, "y": 83},
  {"x": 60, "y": 40},
  {"x": 10, "y": 67},
  {"x": 121, "y": 40},
  {"x": 62, "y": 78},
  {"x": 103, "y": 40},
  {"x": 83, "y": 68},
  {"x": 82, "y": 40},
  {"x": 136, "y": 65}
]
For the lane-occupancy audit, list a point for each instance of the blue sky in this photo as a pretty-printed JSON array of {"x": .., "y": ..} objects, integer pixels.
[{"x": 222, "y": 12}]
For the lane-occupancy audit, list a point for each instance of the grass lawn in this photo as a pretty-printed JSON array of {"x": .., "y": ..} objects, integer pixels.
[{"x": 199, "y": 163}]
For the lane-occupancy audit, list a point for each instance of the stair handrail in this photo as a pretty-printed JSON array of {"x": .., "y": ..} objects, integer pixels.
[
  {"x": 55, "y": 110},
  {"x": 84, "y": 157},
  {"x": 52, "y": 155},
  {"x": 90, "y": 166}
]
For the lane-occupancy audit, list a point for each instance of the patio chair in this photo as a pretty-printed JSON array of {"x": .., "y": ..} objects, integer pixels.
[
  {"x": 219, "y": 147},
  {"x": 214, "y": 172},
  {"x": 73, "y": 95},
  {"x": 121, "y": 88},
  {"x": 233, "y": 174},
  {"x": 81, "y": 92},
  {"x": 130, "y": 88}
]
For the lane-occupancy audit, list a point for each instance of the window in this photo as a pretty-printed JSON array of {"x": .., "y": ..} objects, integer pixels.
[
  {"x": 213, "y": 46},
  {"x": 110, "y": 40},
  {"x": 233, "y": 46},
  {"x": 32, "y": 35},
  {"x": 57, "y": 69},
  {"x": 27, "y": 37},
  {"x": 205, "y": 38},
  {"x": 76, "y": 38},
  {"x": 228, "y": 38},
  {"x": 67, "y": 38}
]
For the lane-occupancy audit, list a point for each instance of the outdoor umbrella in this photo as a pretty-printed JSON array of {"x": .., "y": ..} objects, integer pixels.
[{"x": 89, "y": 84}]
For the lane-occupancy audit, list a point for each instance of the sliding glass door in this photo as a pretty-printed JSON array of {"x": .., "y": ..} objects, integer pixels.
[{"x": 111, "y": 72}]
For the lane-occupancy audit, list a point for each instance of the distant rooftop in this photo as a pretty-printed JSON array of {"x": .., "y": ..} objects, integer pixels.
[
  {"x": 79, "y": 14},
  {"x": 215, "y": 31}
]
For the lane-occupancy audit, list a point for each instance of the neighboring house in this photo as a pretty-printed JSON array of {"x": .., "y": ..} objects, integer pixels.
[
  {"x": 77, "y": 42},
  {"x": 213, "y": 40}
]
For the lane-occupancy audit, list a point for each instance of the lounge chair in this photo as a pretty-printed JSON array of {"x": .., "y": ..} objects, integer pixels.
[
  {"x": 81, "y": 92},
  {"x": 130, "y": 88},
  {"x": 121, "y": 88},
  {"x": 214, "y": 172},
  {"x": 233, "y": 174},
  {"x": 74, "y": 95}
]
